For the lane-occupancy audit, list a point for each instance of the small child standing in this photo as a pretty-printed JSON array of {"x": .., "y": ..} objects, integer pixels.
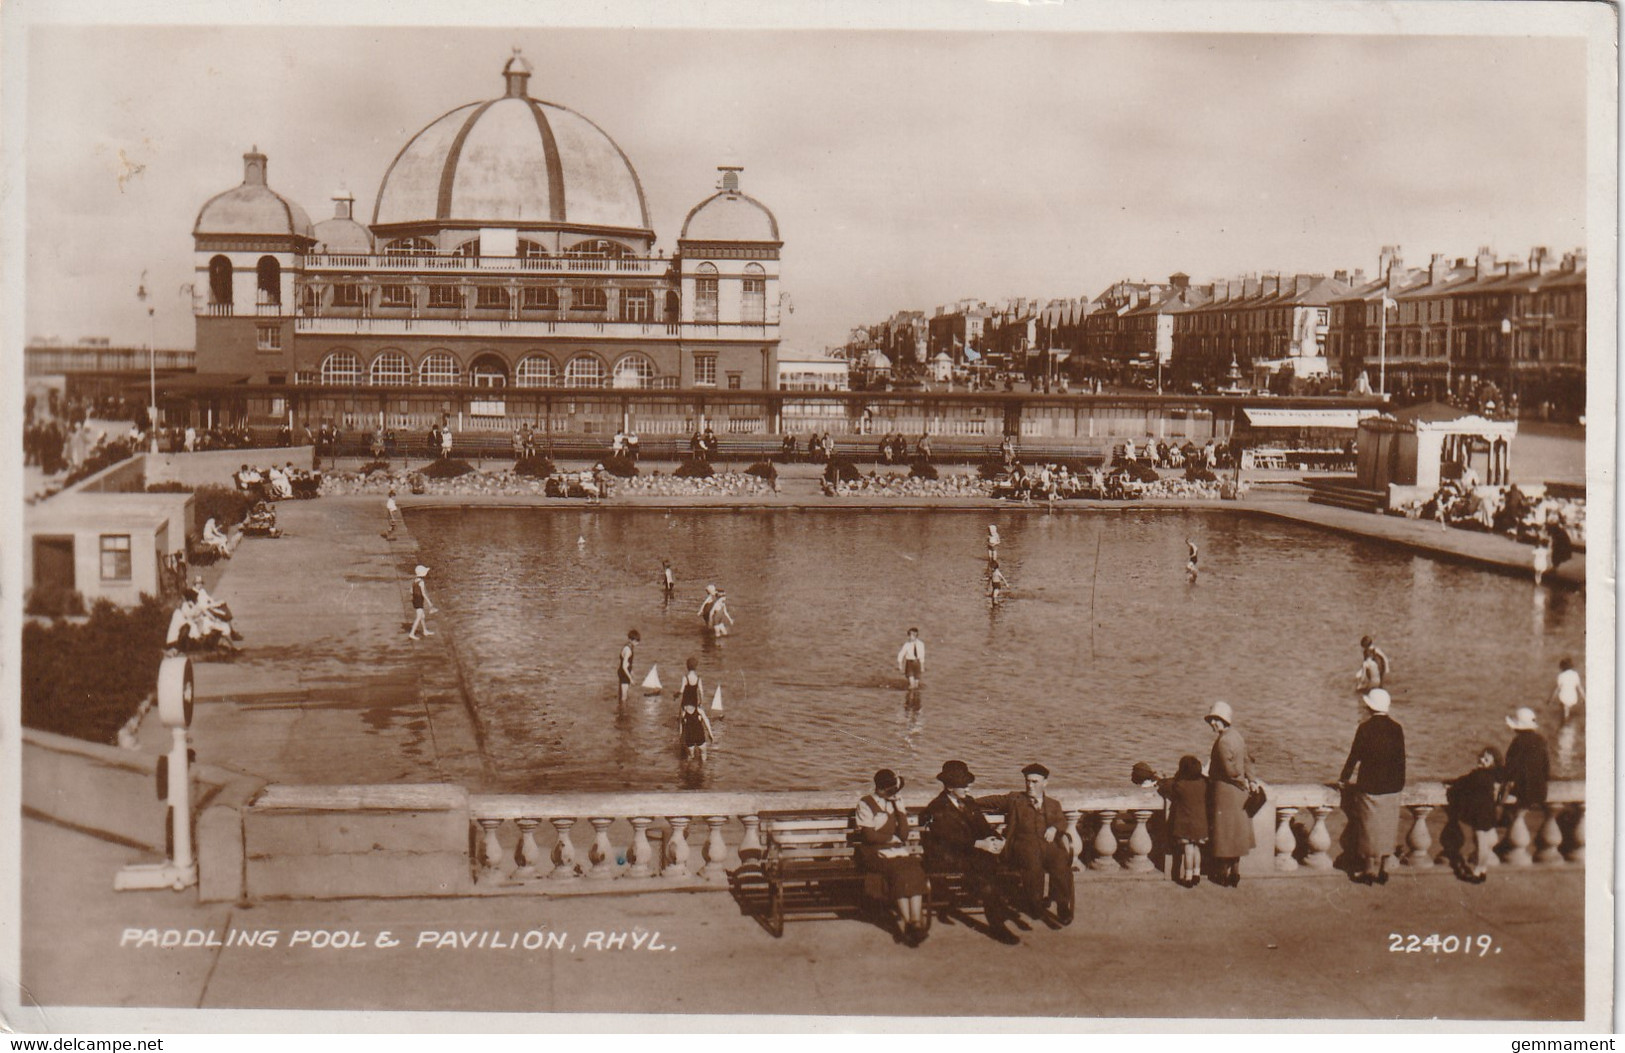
[
  {"x": 1472, "y": 803},
  {"x": 1187, "y": 793}
]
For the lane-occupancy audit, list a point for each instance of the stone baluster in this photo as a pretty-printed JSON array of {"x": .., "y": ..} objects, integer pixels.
[
  {"x": 750, "y": 845},
  {"x": 1320, "y": 839},
  {"x": 1286, "y": 842},
  {"x": 526, "y": 853},
  {"x": 1518, "y": 840},
  {"x": 564, "y": 852},
  {"x": 602, "y": 854},
  {"x": 1074, "y": 836},
  {"x": 675, "y": 867},
  {"x": 639, "y": 854},
  {"x": 1139, "y": 842},
  {"x": 716, "y": 850},
  {"x": 1419, "y": 842},
  {"x": 490, "y": 850},
  {"x": 1577, "y": 835},
  {"x": 1551, "y": 837},
  {"x": 1105, "y": 843}
]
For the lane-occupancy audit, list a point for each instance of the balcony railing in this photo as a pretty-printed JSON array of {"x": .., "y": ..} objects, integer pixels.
[
  {"x": 521, "y": 327},
  {"x": 487, "y": 264},
  {"x": 653, "y": 835}
]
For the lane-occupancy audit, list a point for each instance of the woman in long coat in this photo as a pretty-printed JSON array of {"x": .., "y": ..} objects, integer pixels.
[{"x": 1230, "y": 777}]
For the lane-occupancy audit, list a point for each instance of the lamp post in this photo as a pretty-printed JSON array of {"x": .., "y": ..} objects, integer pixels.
[
  {"x": 1510, "y": 344},
  {"x": 152, "y": 366}
]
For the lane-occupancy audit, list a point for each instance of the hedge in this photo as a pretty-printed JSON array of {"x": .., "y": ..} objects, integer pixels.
[
  {"x": 88, "y": 680},
  {"x": 694, "y": 470},
  {"x": 445, "y": 468},
  {"x": 533, "y": 467}
]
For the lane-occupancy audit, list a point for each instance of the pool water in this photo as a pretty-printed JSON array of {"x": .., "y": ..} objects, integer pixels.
[{"x": 1101, "y": 655}]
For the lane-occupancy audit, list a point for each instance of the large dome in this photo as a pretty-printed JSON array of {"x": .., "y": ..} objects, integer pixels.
[
  {"x": 252, "y": 208},
  {"x": 512, "y": 161}
]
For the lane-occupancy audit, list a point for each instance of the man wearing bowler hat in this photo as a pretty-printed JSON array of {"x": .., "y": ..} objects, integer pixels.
[
  {"x": 959, "y": 839},
  {"x": 1034, "y": 828}
]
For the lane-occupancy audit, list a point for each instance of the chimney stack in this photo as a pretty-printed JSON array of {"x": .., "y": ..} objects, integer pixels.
[
  {"x": 1539, "y": 259},
  {"x": 1484, "y": 263},
  {"x": 1396, "y": 270},
  {"x": 1387, "y": 260},
  {"x": 1358, "y": 278},
  {"x": 1272, "y": 285},
  {"x": 1438, "y": 269},
  {"x": 1302, "y": 283},
  {"x": 1340, "y": 276}
]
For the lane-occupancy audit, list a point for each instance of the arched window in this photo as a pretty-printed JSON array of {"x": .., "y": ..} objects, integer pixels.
[
  {"x": 410, "y": 247},
  {"x": 488, "y": 371},
  {"x": 391, "y": 369},
  {"x": 705, "y": 293},
  {"x": 341, "y": 367},
  {"x": 674, "y": 307},
  {"x": 269, "y": 285},
  {"x": 634, "y": 371},
  {"x": 220, "y": 280},
  {"x": 470, "y": 248},
  {"x": 753, "y": 301},
  {"x": 438, "y": 367},
  {"x": 584, "y": 371},
  {"x": 536, "y": 371},
  {"x": 531, "y": 250},
  {"x": 598, "y": 249}
]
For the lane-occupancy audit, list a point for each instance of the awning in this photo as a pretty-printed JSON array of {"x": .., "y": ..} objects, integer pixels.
[{"x": 1347, "y": 419}]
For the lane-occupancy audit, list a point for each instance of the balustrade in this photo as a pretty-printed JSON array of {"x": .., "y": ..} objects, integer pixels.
[{"x": 637, "y": 836}]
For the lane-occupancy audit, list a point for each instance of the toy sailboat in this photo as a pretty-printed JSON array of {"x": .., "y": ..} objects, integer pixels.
[
  {"x": 716, "y": 700},
  {"x": 651, "y": 683}
]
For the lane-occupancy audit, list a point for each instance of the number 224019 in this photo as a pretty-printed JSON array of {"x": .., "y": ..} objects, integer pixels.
[{"x": 1411, "y": 943}]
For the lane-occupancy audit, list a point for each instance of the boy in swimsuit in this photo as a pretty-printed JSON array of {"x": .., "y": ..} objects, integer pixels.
[
  {"x": 623, "y": 671},
  {"x": 996, "y": 582},
  {"x": 719, "y": 614},
  {"x": 710, "y": 601}
]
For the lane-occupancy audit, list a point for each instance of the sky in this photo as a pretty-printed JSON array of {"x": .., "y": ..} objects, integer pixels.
[{"x": 907, "y": 169}]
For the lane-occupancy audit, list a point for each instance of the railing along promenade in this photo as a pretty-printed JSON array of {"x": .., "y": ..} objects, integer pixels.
[
  {"x": 697, "y": 838},
  {"x": 523, "y": 264}
]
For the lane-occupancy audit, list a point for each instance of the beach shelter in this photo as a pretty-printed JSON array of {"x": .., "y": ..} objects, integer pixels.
[{"x": 1417, "y": 446}]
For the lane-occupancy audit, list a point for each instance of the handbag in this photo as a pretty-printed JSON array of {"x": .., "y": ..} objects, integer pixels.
[{"x": 1257, "y": 797}]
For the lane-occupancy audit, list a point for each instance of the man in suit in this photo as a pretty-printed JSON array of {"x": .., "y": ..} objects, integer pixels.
[
  {"x": 1034, "y": 831},
  {"x": 959, "y": 839}
]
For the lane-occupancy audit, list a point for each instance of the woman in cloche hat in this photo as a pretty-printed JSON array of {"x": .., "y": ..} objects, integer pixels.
[{"x": 883, "y": 853}]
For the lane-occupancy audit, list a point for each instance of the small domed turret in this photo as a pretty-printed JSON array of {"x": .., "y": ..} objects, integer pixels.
[
  {"x": 730, "y": 215},
  {"x": 253, "y": 207}
]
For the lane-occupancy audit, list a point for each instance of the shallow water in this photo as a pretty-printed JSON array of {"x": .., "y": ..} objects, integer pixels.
[{"x": 1103, "y": 654}]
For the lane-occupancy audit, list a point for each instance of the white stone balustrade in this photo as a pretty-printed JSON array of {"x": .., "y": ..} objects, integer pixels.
[{"x": 688, "y": 839}]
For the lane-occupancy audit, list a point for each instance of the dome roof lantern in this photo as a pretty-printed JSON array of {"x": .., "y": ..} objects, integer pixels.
[{"x": 516, "y": 72}]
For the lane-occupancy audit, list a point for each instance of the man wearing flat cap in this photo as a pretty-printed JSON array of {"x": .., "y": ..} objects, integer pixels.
[
  {"x": 1034, "y": 831},
  {"x": 959, "y": 839}
]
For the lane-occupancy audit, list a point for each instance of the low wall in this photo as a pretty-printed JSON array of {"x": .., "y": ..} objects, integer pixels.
[
  {"x": 126, "y": 477},
  {"x": 215, "y": 467}
]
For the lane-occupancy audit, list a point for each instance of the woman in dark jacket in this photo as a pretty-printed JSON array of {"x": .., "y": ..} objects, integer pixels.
[{"x": 883, "y": 853}]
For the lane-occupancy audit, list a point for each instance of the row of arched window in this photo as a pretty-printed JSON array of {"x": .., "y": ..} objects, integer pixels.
[
  {"x": 391, "y": 368},
  {"x": 592, "y": 248}
]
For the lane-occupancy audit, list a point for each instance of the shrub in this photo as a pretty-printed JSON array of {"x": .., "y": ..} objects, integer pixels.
[
  {"x": 1197, "y": 474},
  {"x": 990, "y": 468},
  {"x": 53, "y": 601},
  {"x": 87, "y": 680},
  {"x": 110, "y": 454},
  {"x": 374, "y": 466},
  {"x": 225, "y": 504},
  {"x": 445, "y": 468},
  {"x": 1140, "y": 473},
  {"x": 168, "y": 488},
  {"x": 621, "y": 466},
  {"x": 841, "y": 470},
  {"x": 763, "y": 470},
  {"x": 692, "y": 469},
  {"x": 923, "y": 470},
  {"x": 533, "y": 467}
]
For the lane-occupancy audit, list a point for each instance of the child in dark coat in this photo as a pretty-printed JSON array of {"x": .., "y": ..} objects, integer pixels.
[
  {"x": 1471, "y": 800},
  {"x": 1186, "y": 794}
]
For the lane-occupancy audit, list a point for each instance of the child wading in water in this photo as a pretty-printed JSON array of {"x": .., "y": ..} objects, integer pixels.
[
  {"x": 693, "y": 729},
  {"x": 996, "y": 582}
]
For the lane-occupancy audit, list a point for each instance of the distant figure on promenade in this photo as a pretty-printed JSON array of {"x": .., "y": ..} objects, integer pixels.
[
  {"x": 996, "y": 583},
  {"x": 1230, "y": 781},
  {"x": 623, "y": 670},
  {"x": 668, "y": 578},
  {"x": 1569, "y": 692},
  {"x": 719, "y": 619},
  {"x": 1528, "y": 765},
  {"x": 958, "y": 838},
  {"x": 1470, "y": 800},
  {"x": 691, "y": 690},
  {"x": 693, "y": 728},
  {"x": 1373, "y": 666},
  {"x": 422, "y": 606},
  {"x": 911, "y": 658},
  {"x": 393, "y": 511},
  {"x": 1378, "y": 755},
  {"x": 884, "y": 856},
  {"x": 1035, "y": 844},
  {"x": 1190, "y": 561},
  {"x": 706, "y": 605}
]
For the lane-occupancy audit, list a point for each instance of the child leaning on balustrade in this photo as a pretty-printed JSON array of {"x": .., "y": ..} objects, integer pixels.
[
  {"x": 1186, "y": 793},
  {"x": 1471, "y": 801}
]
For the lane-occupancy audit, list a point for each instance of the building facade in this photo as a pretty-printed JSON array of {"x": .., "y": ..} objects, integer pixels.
[{"x": 509, "y": 247}]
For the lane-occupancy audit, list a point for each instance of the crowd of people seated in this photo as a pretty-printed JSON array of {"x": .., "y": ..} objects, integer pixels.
[
  {"x": 277, "y": 483},
  {"x": 592, "y": 483},
  {"x": 1523, "y": 512},
  {"x": 1159, "y": 453},
  {"x": 200, "y": 622},
  {"x": 894, "y": 449},
  {"x": 261, "y": 521}
]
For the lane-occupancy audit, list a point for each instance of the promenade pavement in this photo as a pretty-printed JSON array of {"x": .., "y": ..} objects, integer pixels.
[{"x": 1276, "y": 947}]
